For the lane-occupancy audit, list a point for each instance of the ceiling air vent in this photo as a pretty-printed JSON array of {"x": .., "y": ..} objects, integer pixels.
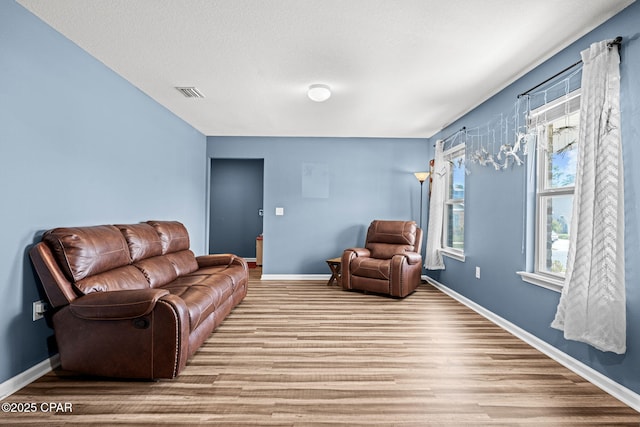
[{"x": 190, "y": 92}]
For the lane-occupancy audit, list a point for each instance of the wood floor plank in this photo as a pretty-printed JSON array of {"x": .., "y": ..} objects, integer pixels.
[{"x": 302, "y": 353}]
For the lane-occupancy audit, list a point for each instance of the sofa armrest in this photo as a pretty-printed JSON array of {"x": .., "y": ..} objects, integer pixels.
[
  {"x": 220, "y": 259},
  {"x": 58, "y": 288},
  {"x": 155, "y": 345},
  {"x": 116, "y": 305}
]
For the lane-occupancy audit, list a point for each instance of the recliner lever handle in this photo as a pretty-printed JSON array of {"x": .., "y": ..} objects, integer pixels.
[{"x": 141, "y": 323}]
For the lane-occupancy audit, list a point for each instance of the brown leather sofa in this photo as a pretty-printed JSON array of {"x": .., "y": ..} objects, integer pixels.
[
  {"x": 132, "y": 301},
  {"x": 390, "y": 263}
]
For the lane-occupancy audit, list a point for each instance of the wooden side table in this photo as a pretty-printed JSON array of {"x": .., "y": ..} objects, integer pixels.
[{"x": 335, "y": 264}]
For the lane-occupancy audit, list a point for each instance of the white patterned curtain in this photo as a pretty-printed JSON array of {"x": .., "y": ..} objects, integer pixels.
[
  {"x": 433, "y": 257},
  {"x": 592, "y": 304}
]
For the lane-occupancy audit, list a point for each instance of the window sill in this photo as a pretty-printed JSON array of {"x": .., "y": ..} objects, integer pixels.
[
  {"x": 542, "y": 280},
  {"x": 453, "y": 254}
]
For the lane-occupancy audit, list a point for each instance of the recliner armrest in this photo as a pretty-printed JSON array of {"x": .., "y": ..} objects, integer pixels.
[
  {"x": 347, "y": 256},
  {"x": 360, "y": 252},
  {"x": 116, "y": 305},
  {"x": 412, "y": 257}
]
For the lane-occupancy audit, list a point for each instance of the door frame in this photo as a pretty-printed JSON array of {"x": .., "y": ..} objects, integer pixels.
[{"x": 207, "y": 227}]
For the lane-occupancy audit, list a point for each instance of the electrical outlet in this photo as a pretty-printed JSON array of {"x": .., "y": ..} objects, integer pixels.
[
  {"x": 477, "y": 272},
  {"x": 39, "y": 307}
]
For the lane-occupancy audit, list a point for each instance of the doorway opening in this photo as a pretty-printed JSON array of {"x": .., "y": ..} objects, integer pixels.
[{"x": 235, "y": 207}]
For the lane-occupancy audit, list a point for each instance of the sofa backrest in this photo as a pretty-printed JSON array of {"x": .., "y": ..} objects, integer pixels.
[
  {"x": 387, "y": 238},
  {"x": 175, "y": 246},
  {"x": 84, "y": 251},
  {"x": 173, "y": 235},
  {"x": 160, "y": 250},
  {"x": 94, "y": 258},
  {"x": 112, "y": 257},
  {"x": 142, "y": 240}
]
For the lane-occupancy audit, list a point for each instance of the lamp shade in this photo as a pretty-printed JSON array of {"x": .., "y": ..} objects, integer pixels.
[
  {"x": 422, "y": 176},
  {"x": 319, "y": 92}
]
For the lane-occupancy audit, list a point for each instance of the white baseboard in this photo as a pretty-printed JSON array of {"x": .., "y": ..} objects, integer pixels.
[
  {"x": 286, "y": 277},
  {"x": 605, "y": 383},
  {"x": 14, "y": 384}
]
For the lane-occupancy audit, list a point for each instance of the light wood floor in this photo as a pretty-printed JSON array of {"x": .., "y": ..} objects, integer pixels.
[{"x": 295, "y": 354}]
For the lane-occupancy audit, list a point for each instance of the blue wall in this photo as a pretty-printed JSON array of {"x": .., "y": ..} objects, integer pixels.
[
  {"x": 494, "y": 215},
  {"x": 365, "y": 179},
  {"x": 78, "y": 146}
]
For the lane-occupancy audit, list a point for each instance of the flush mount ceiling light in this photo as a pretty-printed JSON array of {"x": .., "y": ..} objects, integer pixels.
[{"x": 319, "y": 92}]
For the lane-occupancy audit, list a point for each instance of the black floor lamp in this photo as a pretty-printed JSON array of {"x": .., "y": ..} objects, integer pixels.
[{"x": 422, "y": 177}]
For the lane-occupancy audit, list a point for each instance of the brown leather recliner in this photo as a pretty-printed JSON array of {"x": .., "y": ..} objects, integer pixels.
[{"x": 390, "y": 263}]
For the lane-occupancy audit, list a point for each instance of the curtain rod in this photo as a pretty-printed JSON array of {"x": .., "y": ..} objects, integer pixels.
[
  {"x": 616, "y": 42},
  {"x": 463, "y": 128}
]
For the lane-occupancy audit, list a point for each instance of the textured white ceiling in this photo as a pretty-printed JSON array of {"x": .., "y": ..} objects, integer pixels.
[{"x": 398, "y": 68}]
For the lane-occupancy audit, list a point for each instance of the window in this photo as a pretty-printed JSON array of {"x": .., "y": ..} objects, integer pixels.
[
  {"x": 453, "y": 233},
  {"x": 556, "y": 124}
]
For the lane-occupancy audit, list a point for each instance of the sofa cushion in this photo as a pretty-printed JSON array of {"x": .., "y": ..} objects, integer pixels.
[
  {"x": 158, "y": 270},
  {"x": 200, "y": 295},
  {"x": 223, "y": 286},
  {"x": 85, "y": 251},
  {"x": 118, "y": 279},
  {"x": 173, "y": 235},
  {"x": 142, "y": 240},
  {"x": 234, "y": 273}
]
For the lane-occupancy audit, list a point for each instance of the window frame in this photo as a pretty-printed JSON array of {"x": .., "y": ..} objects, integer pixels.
[
  {"x": 542, "y": 192},
  {"x": 448, "y": 156}
]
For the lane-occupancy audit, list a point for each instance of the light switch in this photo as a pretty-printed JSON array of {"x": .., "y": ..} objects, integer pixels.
[{"x": 279, "y": 211}]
